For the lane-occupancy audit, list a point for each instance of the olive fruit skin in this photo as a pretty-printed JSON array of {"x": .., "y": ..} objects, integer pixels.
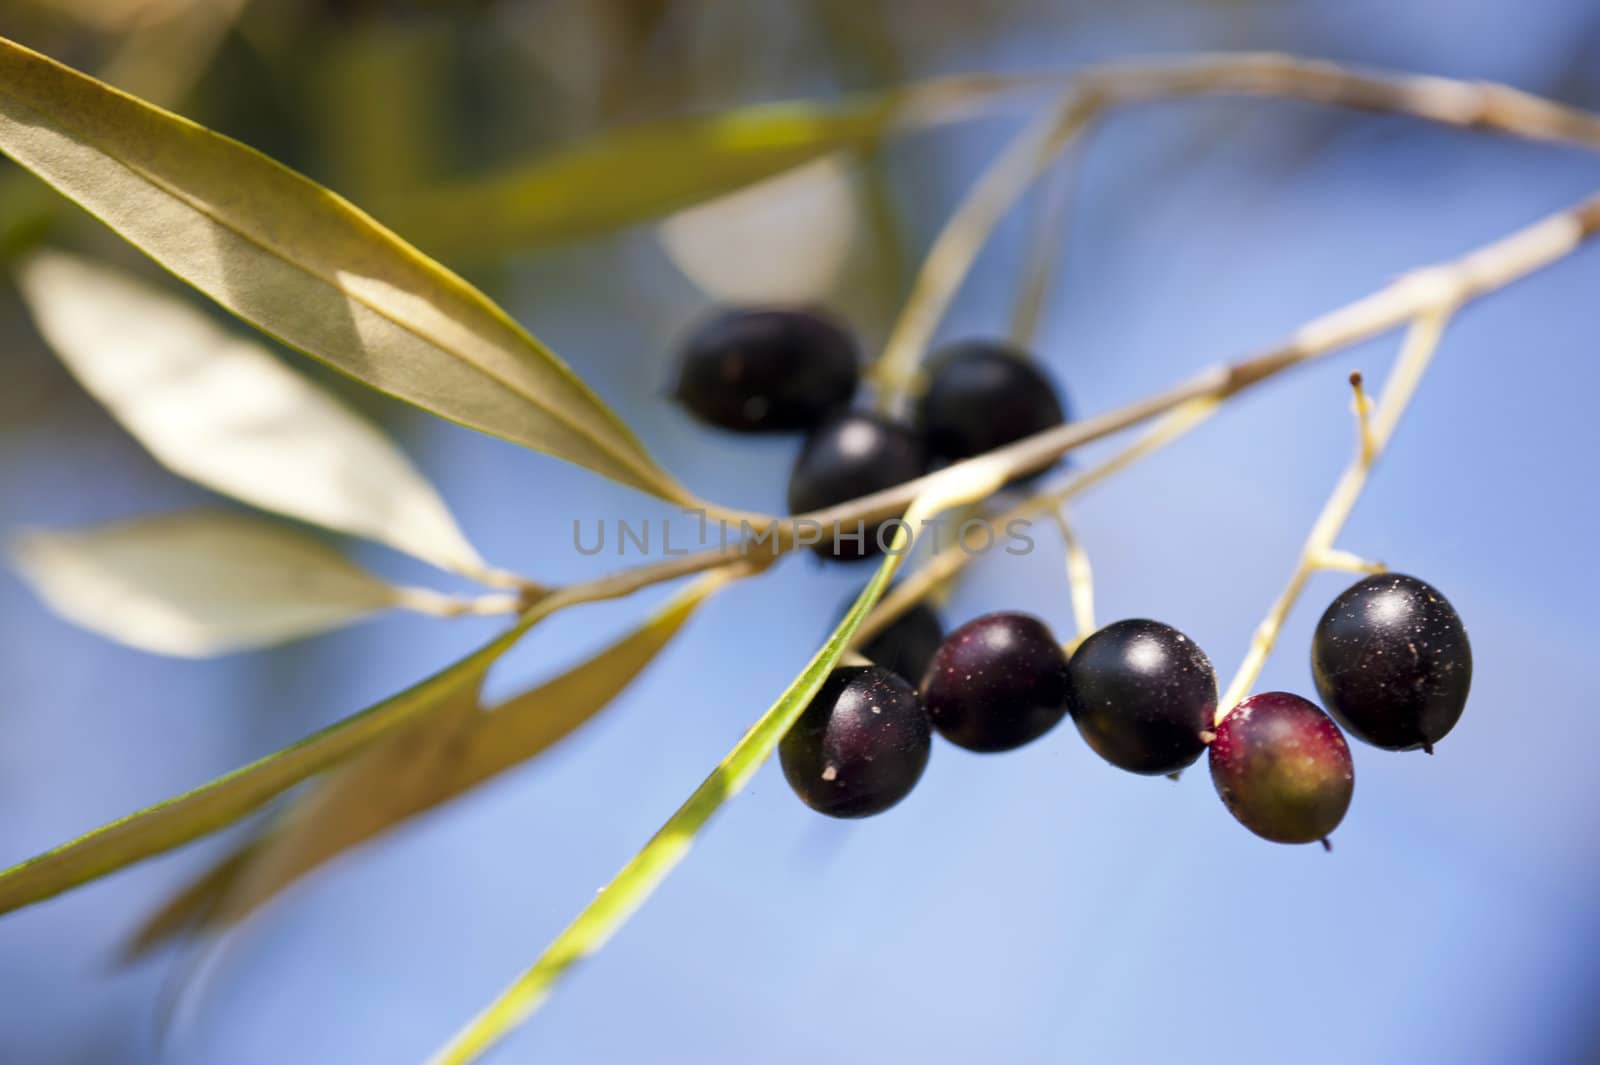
[
  {"x": 996, "y": 683},
  {"x": 1392, "y": 662},
  {"x": 859, "y": 746},
  {"x": 907, "y": 644},
  {"x": 767, "y": 370},
  {"x": 1282, "y": 768},
  {"x": 984, "y": 394},
  {"x": 853, "y": 454},
  {"x": 1143, "y": 695}
]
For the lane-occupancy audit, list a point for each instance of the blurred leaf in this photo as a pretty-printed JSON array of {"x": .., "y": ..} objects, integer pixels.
[
  {"x": 160, "y": 828},
  {"x": 629, "y": 889},
  {"x": 198, "y": 583},
  {"x": 222, "y": 411},
  {"x": 160, "y": 61},
  {"x": 784, "y": 239},
  {"x": 530, "y": 723},
  {"x": 456, "y": 750},
  {"x": 29, "y": 212},
  {"x": 303, "y": 264},
  {"x": 194, "y": 905},
  {"x": 644, "y": 171},
  {"x": 338, "y": 812},
  {"x": 378, "y": 105},
  {"x": 117, "y": 16},
  {"x": 161, "y": 58},
  {"x": 355, "y": 802}
]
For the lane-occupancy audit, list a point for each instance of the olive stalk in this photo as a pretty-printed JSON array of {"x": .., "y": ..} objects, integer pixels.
[
  {"x": 1422, "y": 340},
  {"x": 1423, "y": 292},
  {"x": 1093, "y": 91},
  {"x": 1097, "y": 89},
  {"x": 946, "y": 564},
  {"x": 1048, "y": 237},
  {"x": 964, "y": 235}
]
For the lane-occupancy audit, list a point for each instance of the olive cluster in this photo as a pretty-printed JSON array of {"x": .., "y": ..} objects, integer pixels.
[
  {"x": 774, "y": 370},
  {"x": 1390, "y": 659}
]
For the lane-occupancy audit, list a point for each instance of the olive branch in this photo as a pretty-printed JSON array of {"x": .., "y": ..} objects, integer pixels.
[{"x": 310, "y": 269}]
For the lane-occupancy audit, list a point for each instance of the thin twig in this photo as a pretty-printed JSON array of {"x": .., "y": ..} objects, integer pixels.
[
  {"x": 1080, "y": 578},
  {"x": 1421, "y": 342},
  {"x": 1361, "y": 404},
  {"x": 949, "y": 562},
  {"x": 1484, "y": 270},
  {"x": 1473, "y": 105},
  {"x": 439, "y": 605},
  {"x": 1048, "y": 237},
  {"x": 963, "y": 237},
  {"x": 1470, "y": 105}
]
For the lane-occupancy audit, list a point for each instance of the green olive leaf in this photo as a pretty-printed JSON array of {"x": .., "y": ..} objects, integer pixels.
[
  {"x": 296, "y": 260},
  {"x": 629, "y": 889},
  {"x": 222, "y": 411},
  {"x": 456, "y": 750},
  {"x": 650, "y": 169},
  {"x": 199, "y": 583},
  {"x": 159, "y": 828}
]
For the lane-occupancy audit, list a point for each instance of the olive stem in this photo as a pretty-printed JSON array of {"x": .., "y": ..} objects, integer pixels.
[
  {"x": 1096, "y": 89},
  {"x": 964, "y": 234},
  {"x": 1049, "y": 233},
  {"x": 946, "y": 564},
  {"x": 1487, "y": 269},
  {"x": 1080, "y": 578},
  {"x": 1363, "y": 411},
  {"x": 1422, "y": 340},
  {"x": 437, "y": 604},
  {"x": 1337, "y": 561},
  {"x": 491, "y": 577},
  {"x": 1466, "y": 104}
]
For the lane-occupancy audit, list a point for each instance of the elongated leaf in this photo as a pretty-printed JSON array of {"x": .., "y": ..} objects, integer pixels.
[
  {"x": 194, "y": 905},
  {"x": 199, "y": 583},
  {"x": 220, "y": 410},
  {"x": 530, "y": 723},
  {"x": 360, "y": 799},
  {"x": 456, "y": 750},
  {"x": 342, "y": 808},
  {"x": 628, "y": 890},
  {"x": 648, "y": 170},
  {"x": 178, "y": 820},
  {"x": 303, "y": 264}
]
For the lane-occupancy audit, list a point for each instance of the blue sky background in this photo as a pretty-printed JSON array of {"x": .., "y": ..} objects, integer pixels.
[{"x": 1035, "y": 907}]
